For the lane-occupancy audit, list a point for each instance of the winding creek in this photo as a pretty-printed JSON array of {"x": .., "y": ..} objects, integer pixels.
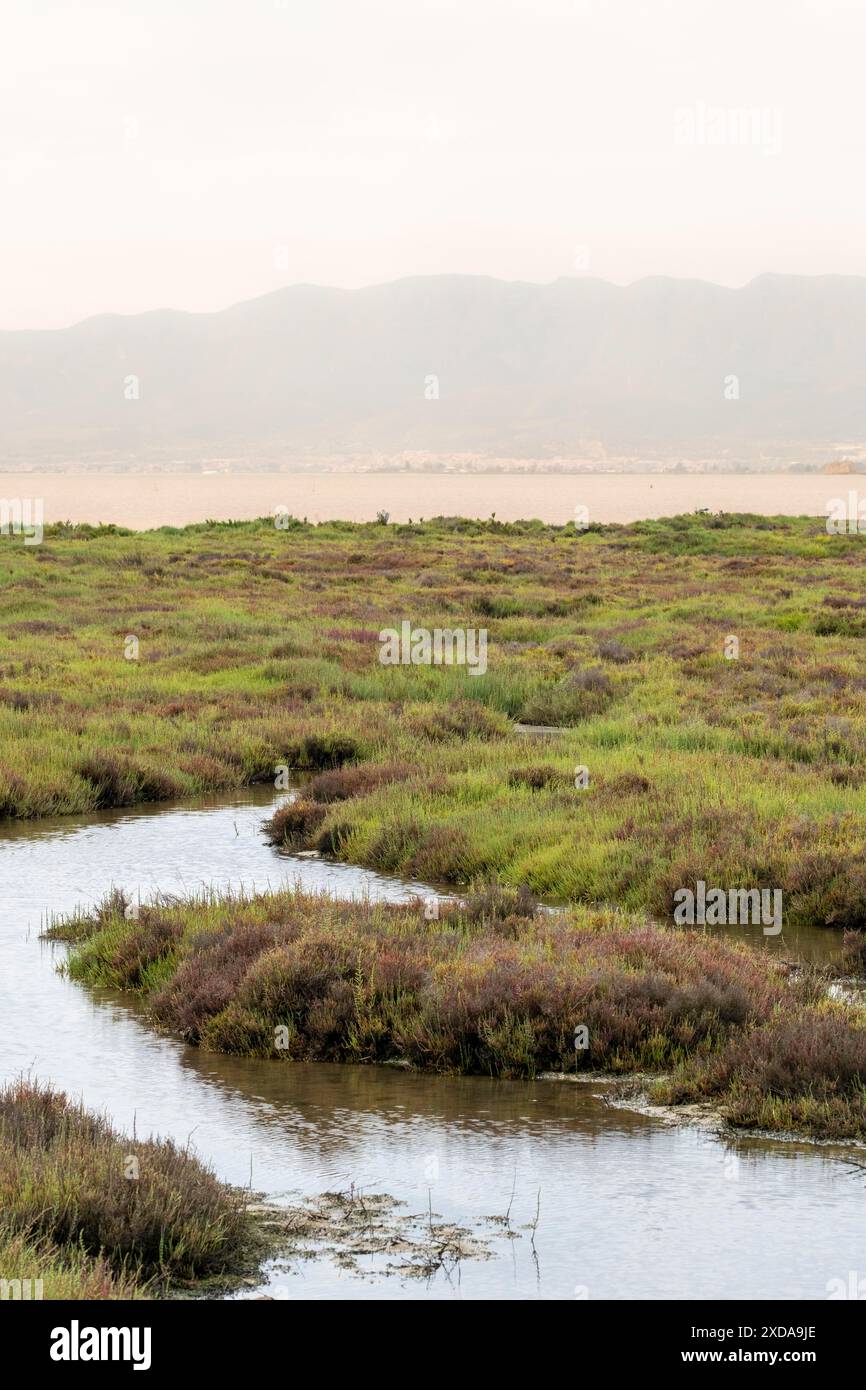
[{"x": 629, "y": 1206}]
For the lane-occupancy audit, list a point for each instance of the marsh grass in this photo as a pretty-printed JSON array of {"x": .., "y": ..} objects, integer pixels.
[
  {"x": 804, "y": 1073},
  {"x": 259, "y": 649},
  {"x": 495, "y": 987},
  {"x": 71, "y": 1214},
  {"x": 66, "y": 1273}
]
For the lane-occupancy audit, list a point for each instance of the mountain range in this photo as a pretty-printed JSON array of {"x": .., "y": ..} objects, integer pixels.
[{"x": 446, "y": 364}]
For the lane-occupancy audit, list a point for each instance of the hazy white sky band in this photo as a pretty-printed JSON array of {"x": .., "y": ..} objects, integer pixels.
[{"x": 190, "y": 153}]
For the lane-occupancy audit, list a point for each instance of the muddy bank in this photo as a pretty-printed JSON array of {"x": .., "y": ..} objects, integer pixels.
[{"x": 366, "y": 1235}]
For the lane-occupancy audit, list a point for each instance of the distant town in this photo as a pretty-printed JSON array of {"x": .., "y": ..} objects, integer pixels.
[{"x": 807, "y": 458}]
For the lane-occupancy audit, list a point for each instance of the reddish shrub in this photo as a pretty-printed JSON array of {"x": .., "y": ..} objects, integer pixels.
[
  {"x": 628, "y": 784},
  {"x": 210, "y": 976},
  {"x": 295, "y": 823},
  {"x": 341, "y": 784},
  {"x": 819, "y": 1055}
]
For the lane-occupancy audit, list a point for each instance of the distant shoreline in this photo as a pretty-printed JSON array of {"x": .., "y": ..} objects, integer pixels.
[
  {"x": 527, "y": 470},
  {"x": 428, "y": 473}
]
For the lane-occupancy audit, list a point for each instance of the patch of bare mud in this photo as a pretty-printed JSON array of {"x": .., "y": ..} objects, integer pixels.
[{"x": 370, "y": 1233}]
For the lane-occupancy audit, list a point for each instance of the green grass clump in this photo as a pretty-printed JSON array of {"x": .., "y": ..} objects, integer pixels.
[
  {"x": 35, "y": 1267},
  {"x": 97, "y": 1215}
]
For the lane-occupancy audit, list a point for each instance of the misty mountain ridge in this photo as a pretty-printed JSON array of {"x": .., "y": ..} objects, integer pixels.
[{"x": 451, "y": 364}]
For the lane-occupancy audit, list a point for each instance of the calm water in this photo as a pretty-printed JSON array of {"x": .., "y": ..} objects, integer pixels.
[
  {"x": 176, "y": 499},
  {"x": 629, "y": 1207}
]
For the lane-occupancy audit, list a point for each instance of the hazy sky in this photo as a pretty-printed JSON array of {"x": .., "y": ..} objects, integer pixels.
[{"x": 190, "y": 153}]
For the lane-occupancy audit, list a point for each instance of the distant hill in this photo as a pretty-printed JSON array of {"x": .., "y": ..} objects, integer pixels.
[{"x": 662, "y": 366}]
